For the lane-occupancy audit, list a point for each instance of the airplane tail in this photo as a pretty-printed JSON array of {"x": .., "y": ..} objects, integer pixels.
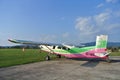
[
  {"x": 101, "y": 46},
  {"x": 101, "y": 41}
]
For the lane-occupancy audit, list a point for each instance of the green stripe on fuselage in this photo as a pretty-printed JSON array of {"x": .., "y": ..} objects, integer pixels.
[{"x": 75, "y": 50}]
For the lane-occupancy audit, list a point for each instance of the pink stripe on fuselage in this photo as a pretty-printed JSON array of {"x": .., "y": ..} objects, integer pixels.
[{"x": 87, "y": 54}]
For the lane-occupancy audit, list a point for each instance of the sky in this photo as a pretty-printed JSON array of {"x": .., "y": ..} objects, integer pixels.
[{"x": 59, "y": 21}]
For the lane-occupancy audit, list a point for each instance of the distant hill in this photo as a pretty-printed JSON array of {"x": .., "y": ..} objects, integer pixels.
[
  {"x": 20, "y": 46},
  {"x": 109, "y": 44}
]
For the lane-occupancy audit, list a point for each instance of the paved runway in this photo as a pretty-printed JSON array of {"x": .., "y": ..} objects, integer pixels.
[{"x": 64, "y": 69}]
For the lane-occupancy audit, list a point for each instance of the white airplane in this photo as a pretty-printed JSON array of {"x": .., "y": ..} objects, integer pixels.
[{"x": 97, "y": 51}]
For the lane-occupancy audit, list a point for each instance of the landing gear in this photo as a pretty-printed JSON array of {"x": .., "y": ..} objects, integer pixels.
[
  {"x": 108, "y": 59},
  {"x": 47, "y": 58},
  {"x": 58, "y": 56}
]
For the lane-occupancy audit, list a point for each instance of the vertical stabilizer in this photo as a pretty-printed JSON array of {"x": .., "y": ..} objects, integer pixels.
[
  {"x": 101, "y": 41},
  {"x": 101, "y": 45}
]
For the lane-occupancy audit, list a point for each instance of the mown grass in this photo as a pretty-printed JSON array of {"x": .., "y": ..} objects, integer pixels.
[
  {"x": 115, "y": 54},
  {"x": 11, "y": 57}
]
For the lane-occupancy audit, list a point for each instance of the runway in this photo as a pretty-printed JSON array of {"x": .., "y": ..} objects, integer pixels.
[{"x": 64, "y": 69}]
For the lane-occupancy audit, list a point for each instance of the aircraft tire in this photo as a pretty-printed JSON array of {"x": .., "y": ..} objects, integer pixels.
[
  {"x": 59, "y": 56},
  {"x": 47, "y": 58},
  {"x": 108, "y": 60}
]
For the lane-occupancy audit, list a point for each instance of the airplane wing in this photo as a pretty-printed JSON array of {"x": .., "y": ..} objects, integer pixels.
[
  {"x": 40, "y": 43},
  {"x": 31, "y": 42}
]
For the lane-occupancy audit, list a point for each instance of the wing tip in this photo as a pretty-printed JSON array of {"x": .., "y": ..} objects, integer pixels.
[
  {"x": 12, "y": 40},
  {"x": 9, "y": 39}
]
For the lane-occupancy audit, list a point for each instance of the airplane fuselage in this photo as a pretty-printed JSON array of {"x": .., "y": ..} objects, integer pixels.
[{"x": 76, "y": 52}]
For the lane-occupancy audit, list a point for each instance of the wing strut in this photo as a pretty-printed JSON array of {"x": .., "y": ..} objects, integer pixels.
[{"x": 50, "y": 49}]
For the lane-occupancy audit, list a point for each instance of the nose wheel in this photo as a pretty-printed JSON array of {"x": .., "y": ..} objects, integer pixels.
[{"x": 47, "y": 58}]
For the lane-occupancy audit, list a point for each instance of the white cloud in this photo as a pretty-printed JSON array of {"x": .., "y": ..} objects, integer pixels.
[
  {"x": 102, "y": 18},
  {"x": 112, "y": 1},
  {"x": 86, "y": 28},
  {"x": 101, "y": 23},
  {"x": 113, "y": 26},
  {"x": 85, "y": 25},
  {"x": 100, "y": 5},
  {"x": 92, "y": 24}
]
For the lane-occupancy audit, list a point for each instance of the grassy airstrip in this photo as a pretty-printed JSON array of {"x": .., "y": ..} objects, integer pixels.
[{"x": 11, "y": 57}]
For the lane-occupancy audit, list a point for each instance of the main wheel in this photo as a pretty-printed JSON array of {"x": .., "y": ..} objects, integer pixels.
[
  {"x": 47, "y": 58},
  {"x": 59, "y": 56}
]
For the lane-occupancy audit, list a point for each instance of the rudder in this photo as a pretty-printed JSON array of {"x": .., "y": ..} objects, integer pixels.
[{"x": 101, "y": 41}]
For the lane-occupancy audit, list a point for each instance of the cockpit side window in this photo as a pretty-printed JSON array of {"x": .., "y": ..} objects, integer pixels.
[
  {"x": 53, "y": 47},
  {"x": 64, "y": 48},
  {"x": 59, "y": 47}
]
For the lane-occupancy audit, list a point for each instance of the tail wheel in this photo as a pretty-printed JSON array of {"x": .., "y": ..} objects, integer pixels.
[
  {"x": 108, "y": 59},
  {"x": 47, "y": 58}
]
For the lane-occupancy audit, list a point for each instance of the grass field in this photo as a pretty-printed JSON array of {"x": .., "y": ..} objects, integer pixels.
[
  {"x": 115, "y": 54},
  {"x": 11, "y": 57}
]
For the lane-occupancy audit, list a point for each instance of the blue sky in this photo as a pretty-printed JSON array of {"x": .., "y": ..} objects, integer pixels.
[{"x": 59, "y": 21}]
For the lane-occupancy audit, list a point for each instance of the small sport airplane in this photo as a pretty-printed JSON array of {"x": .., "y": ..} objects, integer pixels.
[{"x": 91, "y": 52}]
